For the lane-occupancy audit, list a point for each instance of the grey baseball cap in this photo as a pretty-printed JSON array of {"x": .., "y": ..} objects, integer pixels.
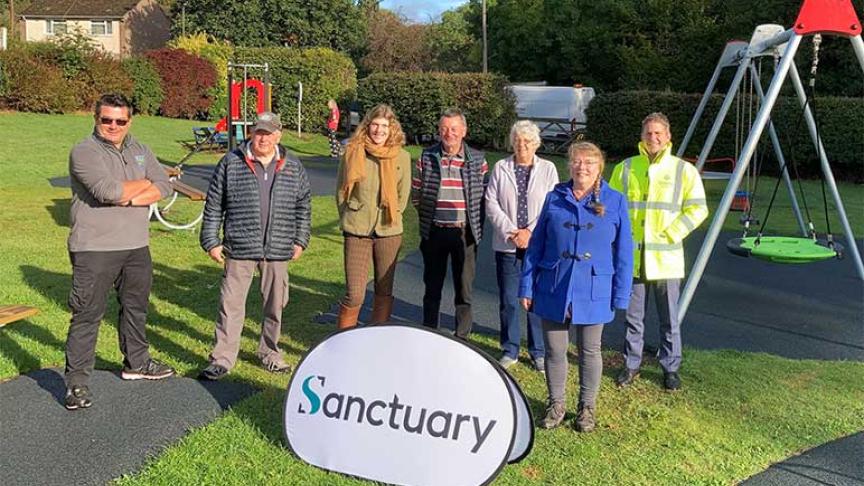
[{"x": 268, "y": 122}]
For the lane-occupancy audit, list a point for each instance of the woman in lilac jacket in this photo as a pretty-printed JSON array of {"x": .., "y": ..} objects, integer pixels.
[
  {"x": 517, "y": 188},
  {"x": 578, "y": 270}
]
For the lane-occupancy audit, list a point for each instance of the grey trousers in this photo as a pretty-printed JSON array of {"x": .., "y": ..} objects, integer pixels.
[
  {"x": 236, "y": 279},
  {"x": 666, "y": 297},
  {"x": 588, "y": 338}
]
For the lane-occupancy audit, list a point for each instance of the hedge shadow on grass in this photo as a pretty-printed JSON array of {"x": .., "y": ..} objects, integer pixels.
[{"x": 59, "y": 211}]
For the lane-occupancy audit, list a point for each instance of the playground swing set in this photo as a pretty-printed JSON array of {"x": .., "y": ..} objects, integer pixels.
[{"x": 816, "y": 18}]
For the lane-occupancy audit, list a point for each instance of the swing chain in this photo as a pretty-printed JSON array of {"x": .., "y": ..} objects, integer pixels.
[{"x": 817, "y": 41}]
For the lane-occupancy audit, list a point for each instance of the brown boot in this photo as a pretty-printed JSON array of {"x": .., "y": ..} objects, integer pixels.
[
  {"x": 382, "y": 307},
  {"x": 347, "y": 316}
]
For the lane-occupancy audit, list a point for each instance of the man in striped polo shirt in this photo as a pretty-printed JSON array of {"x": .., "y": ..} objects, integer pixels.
[{"x": 448, "y": 192}]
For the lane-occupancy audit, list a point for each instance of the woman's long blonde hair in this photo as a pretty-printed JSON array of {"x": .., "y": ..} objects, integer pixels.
[
  {"x": 396, "y": 136},
  {"x": 591, "y": 150}
]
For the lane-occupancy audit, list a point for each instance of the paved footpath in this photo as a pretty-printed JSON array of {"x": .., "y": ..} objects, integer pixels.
[{"x": 812, "y": 311}]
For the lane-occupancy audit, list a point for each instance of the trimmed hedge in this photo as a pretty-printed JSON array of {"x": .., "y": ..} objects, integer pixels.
[
  {"x": 614, "y": 122},
  {"x": 325, "y": 74},
  {"x": 31, "y": 85},
  {"x": 419, "y": 99},
  {"x": 147, "y": 92},
  {"x": 187, "y": 81},
  {"x": 51, "y": 78}
]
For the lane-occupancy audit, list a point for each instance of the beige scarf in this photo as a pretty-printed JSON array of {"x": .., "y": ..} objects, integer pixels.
[{"x": 355, "y": 171}]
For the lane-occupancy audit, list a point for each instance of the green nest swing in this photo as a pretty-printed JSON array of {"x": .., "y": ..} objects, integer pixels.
[{"x": 784, "y": 249}]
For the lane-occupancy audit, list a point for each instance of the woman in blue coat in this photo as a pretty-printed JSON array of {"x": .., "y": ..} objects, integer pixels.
[{"x": 577, "y": 271}]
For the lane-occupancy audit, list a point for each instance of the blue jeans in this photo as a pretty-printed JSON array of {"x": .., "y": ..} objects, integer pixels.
[{"x": 509, "y": 270}]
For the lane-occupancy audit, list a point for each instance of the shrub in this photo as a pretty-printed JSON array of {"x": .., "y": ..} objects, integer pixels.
[
  {"x": 419, "y": 99},
  {"x": 614, "y": 121},
  {"x": 187, "y": 81},
  {"x": 325, "y": 74},
  {"x": 101, "y": 73},
  {"x": 31, "y": 85},
  {"x": 147, "y": 93},
  {"x": 217, "y": 53}
]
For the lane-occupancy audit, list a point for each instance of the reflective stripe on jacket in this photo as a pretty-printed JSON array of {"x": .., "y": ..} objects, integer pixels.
[{"x": 667, "y": 201}]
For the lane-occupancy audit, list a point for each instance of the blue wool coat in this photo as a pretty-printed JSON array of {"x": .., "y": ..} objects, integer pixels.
[{"x": 579, "y": 261}]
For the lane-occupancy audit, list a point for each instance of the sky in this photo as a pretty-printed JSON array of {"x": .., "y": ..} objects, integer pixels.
[{"x": 421, "y": 10}]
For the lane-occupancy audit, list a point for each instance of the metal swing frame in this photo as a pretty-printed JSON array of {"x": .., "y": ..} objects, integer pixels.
[{"x": 826, "y": 17}]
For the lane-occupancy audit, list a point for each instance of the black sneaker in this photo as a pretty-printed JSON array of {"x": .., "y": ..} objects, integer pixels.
[
  {"x": 213, "y": 372},
  {"x": 78, "y": 396},
  {"x": 626, "y": 377},
  {"x": 671, "y": 381},
  {"x": 585, "y": 421},
  {"x": 152, "y": 370}
]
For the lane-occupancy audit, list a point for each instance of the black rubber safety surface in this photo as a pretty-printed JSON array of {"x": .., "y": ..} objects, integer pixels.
[
  {"x": 839, "y": 463},
  {"x": 130, "y": 421}
]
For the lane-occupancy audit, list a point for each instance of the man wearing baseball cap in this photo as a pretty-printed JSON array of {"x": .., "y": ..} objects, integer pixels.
[{"x": 261, "y": 200}]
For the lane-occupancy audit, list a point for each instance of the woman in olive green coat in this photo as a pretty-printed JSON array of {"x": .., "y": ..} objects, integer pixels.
[{"x": 373, "y": 187}]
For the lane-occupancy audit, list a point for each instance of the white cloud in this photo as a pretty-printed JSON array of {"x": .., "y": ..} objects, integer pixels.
[{"x": 421, "y": 10}]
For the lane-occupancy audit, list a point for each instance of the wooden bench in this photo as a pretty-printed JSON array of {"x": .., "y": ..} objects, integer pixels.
[
  {"x": 12, "y": 313},
  {"x": 188, "y": 191}
]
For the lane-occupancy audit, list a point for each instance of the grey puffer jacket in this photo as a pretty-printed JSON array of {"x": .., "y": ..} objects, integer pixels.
[{"x": 233, "y": 204}]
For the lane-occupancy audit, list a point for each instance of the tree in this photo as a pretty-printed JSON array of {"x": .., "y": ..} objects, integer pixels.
[
  {"x": 394, "y": 44},
  {"x": 337, "y": 24},
  {"x": 452, "y": 46}
]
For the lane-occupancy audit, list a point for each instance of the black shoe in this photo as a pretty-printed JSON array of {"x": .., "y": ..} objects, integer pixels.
[
  {"x": 671, "y": 381},
  {"x": 78, "y": 396},
  {"x": 152, "y": 370},
  {"x": 626, "y": 377},
  {"x": 213, "y": 372},
  {"x": 585, "y": 421}
]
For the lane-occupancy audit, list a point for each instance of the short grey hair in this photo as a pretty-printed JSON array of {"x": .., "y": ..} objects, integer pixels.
[
  {"x": 526, "y": 130},
  {"x": 657, "y": 117},
  {"x": 452, "y": 113}
]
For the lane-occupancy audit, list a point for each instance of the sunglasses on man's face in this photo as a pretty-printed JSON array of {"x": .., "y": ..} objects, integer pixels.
[{"x": 121, "y": 122}]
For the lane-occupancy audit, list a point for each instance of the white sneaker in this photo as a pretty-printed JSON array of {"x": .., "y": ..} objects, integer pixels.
[{"x": 507, "y": 361}]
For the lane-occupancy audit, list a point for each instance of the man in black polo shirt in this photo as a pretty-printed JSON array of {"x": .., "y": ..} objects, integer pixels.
[
  {"x": 448, "y": 191},
  {"x": 114, "y": 180}
]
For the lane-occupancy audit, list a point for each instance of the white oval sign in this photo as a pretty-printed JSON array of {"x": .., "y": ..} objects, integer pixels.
[{"x": 402, "y": 405}]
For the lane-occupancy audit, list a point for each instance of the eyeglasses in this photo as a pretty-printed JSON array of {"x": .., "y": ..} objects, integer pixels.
[
  {"x": 121, "y": 122},
  {"x": 587, "y": 162}
]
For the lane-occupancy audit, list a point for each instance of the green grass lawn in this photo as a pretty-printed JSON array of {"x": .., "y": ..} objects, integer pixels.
[{"x": 738, "y": 413}]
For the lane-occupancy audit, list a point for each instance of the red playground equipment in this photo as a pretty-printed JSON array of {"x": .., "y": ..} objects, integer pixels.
[{"x": 237, "y": 121}]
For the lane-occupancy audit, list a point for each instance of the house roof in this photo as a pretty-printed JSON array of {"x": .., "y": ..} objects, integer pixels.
[{"x": 70, "y": 9}]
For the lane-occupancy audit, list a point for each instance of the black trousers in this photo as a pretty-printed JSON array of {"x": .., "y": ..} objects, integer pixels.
[
  {"x": 459, "y": 246},
  {"x": 130, "y": 272}
]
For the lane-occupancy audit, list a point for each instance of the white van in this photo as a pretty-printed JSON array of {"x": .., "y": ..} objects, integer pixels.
[{"x": 559, "y": 111}]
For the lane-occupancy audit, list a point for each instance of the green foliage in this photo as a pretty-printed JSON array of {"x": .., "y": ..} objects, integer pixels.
[
  {"x": 325, "y": 74},
  {"x": 147, "y": 92},
  {"x": 614, "y": 122},
  {"x": 32, "y": 85},
  {"x": 101, "y": 73},
  {"x": 337, "y": 24},
  {"x": 454, "y": 49},
  {"x": 69, "y": 52},
  {"x": 216, "y": 52},
  {"x": 617, "y": 45},
  {"x": 419, "y": 99}
]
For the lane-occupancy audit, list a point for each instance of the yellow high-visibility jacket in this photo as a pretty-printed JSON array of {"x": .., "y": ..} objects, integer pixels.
[{"x": 667, "y": 202}]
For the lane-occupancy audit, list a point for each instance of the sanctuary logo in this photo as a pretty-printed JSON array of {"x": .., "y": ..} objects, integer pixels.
[{"x": 396, "y": 415}]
